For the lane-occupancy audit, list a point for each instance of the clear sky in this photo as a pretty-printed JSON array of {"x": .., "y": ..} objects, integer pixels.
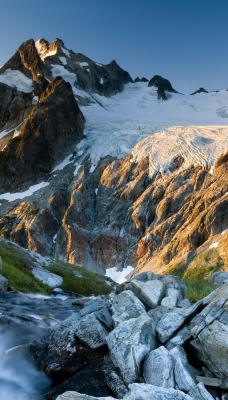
[{"x": 185, "y": 41}]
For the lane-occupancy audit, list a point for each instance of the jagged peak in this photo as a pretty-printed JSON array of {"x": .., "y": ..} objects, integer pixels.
[{"x": 200, "y": 90}]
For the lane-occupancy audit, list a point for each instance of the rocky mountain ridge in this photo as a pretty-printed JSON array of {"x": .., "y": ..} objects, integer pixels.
[{"x": 94, "y": 198}]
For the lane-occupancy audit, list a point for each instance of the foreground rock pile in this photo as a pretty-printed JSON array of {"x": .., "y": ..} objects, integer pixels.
[{"x": 146, "y": 341}]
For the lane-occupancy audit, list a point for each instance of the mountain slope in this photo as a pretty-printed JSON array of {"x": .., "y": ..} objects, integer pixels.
[{"x": 146, "y": 185}]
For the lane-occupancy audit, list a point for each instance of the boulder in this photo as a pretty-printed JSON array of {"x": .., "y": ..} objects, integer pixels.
[
  {"x": 199, "y": 392},
  {"x": 173, "y": 320},
  {"x": 125, "y": 306},
  {"x": 67, "y": 347},
  {"x": 158, "y": 368},
  {"x": 78, "y": 396},
  {"x": 169, "y": 369},
  {"x": 3, "y": 284},
  {"x": 210, "y": 331},
  {"x": 98, "y": 378},
  {"x": 144, "y": 391},
  {"x": 183, "y": 372},
  {"x": 129, "y": 343},
  {"x": 219, "y": 278},
  {"x": 150, "y": 292}
]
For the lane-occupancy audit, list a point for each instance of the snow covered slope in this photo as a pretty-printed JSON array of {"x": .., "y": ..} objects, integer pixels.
[{"x": 115, "y": 125}]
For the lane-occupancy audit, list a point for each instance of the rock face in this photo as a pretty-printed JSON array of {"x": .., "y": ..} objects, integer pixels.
[
  {"x": 48, "y": 133},
  {"x": 129, "y": 358},
  {"x": 200, "y": 90},
  {"x": 163, "y": 86},
  {"x": 92, "y": 77}
]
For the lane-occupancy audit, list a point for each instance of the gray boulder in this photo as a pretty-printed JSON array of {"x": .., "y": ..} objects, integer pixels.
[
  {"x": 158, "y": 368},
  {"x": 3, "y": 284},
  {"x": 129, "y": 343},
  {"x": 199, "y": 392},
  {"x": 66, "y": 348},
  {"x": 148, "y": 392},
  {"x": 150, "y": 292},
  {"x": 210, "y": 331},
  {"x": 173, "y": 320},
  {"x": 125, "y": 306},
  {"x": 219, "y": 278},
  {"x": 79, "y": 396},
  {"x": 183, "y": 372}
]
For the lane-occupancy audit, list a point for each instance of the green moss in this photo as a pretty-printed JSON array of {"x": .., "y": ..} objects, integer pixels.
[
  {"x": 15, "y": 269},
  {"x": 196, "y": 275},
  {"x": 79, "y": 280},
  {"x": 198, "y": 288}
]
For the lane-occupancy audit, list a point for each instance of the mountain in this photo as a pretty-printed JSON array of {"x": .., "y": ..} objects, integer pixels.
[{"x": 100, "y": 171}]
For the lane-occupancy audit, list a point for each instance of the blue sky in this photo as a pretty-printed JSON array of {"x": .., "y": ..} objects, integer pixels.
[{"x": 183, "y": 40}]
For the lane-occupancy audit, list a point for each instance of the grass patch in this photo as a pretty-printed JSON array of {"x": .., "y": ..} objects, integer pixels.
[
  {"x": 16, "y": 270},
  {"x": 79, "y": 280},
  {"x": 198, "y": 288},
  {"x": 196, "y": 275}
]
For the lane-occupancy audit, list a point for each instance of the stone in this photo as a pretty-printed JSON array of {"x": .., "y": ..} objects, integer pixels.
[
  {"x": 145, "y": 391},
  {"x": 78, "y": 396},
  {"x": 98, "y": 378},
  {"x": 173, "y": 320},
  {"x": 150, "y": 292},
  {"x": 158, "y": 368},
  {"x": 125, "y": 306},
  {"x": 219, "y": 278},
  {"x": 183, "y": 372},
  {"x": 3, "y": 284},
  {"x": 180, "y": 338},
  {"x": 210, "y": 331},
  {"x": 129, "y": 343},
  {"x": 60, "y": 352},
  {"x": 171, "y": 299},
  {"x": 199, "y": 392}
]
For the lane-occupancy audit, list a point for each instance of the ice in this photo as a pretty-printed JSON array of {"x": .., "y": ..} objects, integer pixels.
[
  {"x": 119, "y": 276},
  {"x": 18, "y": 80},
  {"x": 115, "y": 125},
  {"x": 20, "y": 195}
]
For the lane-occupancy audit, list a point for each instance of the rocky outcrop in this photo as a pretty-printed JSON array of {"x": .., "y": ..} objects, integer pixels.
[
  {"x": 200, "y": 90},
  {"x": 163, "y": 85},
  {"x": 148, "y": 358},
  {"x": 27, "y": 61},
  {"x": 46, "y": 136},
  {"x": 92, "y": 77},
  {"x": 14, "y": 107},
  {"x": 118, "y": 215}
]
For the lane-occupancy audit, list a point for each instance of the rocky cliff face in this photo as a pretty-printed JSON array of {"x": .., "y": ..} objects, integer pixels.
[{"x": 50, "y": 130}]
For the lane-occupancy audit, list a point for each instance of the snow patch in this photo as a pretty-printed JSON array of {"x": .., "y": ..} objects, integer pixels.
[
  {"x": 49, "y": 278},
  {"x": 20, "y": 195},
  {"x": 119, "y": 276},
  {"x": 65, "y": 162},
  {"x": 18, "y": 80},
  {"x": 213, "y": 245},
  {"x": 83, "y": 64},
  {"x": 63, "y": 60},
  {"x": 59, "y": 70},
  {"x": 65, "y": 51}
]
